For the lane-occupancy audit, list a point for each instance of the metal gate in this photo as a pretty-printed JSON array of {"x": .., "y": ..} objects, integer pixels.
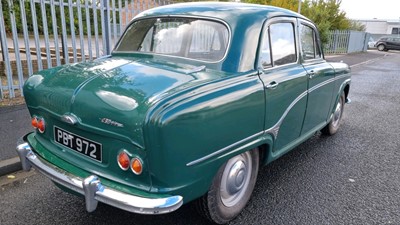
[
  {"x": 346, "y": 41},
  {"x": 40, "y": 34}
]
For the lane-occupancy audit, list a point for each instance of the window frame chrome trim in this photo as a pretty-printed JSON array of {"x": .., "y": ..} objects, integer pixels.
[{"x": 265, "y": 28}]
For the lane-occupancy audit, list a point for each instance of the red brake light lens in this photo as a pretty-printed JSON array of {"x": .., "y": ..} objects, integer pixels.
[{"x": 123, "y": 160}]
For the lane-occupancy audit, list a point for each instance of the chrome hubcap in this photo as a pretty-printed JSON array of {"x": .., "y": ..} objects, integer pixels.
[
  {"x": 337, "y": 114},
  {"x": 235, "y": 179}
]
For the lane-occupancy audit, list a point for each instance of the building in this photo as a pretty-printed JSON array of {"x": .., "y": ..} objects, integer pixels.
[{"x": 375, "y": 26}]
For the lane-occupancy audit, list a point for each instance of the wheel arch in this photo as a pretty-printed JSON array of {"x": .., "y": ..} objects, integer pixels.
[
  {"x": 381, "y": 44},
  {"x": 346, "y": 90},
  {"x": 264, "y": 153}
]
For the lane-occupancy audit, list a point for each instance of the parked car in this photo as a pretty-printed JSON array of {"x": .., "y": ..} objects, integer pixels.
[
  {"x": 194, "y": 98},
  {"x": 388, "y": 43}
]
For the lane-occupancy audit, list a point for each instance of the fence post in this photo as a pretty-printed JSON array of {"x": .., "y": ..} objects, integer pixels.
[
  {"x": 106, "y": 30},
  {"x": 81, "y": 36},
  {"x": 36, "y": 34},
  {"x": 348, "y": 36},
  {"x": 2, "y": 52},
  {"x": 16, "y": 45},
  {"x": 335, "y": 40},
  {"x": 96, "y": 29},
  {"x": 26, "y": 38},
  {"x": 4, "y": 48},
  {"x": 366, "y": 40},
  {"x": 64, "y": 45}
]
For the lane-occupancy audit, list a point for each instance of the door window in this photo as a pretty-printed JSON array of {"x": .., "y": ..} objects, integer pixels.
[
  {"x": 309, "y": 46},
  {"x": 278, "y": 45}
]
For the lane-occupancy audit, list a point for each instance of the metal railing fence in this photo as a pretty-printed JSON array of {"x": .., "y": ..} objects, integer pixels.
[
  {"x": 40, "y": 34},
  {"x": 346, "y": 41}
]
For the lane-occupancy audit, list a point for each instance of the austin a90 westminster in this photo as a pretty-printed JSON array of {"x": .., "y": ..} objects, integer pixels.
[{"x": 193, "y": 99}]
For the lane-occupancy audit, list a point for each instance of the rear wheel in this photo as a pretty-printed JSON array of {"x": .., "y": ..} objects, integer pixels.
[
  {"x": 381, "y": 47},
  {"x": 231, "y": 188},
  {"x": 333, "y": 126}
]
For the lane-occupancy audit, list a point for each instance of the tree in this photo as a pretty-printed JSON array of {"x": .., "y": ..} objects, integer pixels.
[
  {"x": 356, "y": 25},
  {"x": 326, "y": 14}
]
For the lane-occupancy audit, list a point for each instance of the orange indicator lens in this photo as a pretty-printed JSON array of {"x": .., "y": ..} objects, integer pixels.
[{"x": 136, "y": 166}]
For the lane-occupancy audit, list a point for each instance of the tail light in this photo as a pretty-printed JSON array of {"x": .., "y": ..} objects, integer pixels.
[
  {"x": 34, "y": 122},
  {"x": 123, "y": 160},
  {"x": 41, "y": 126},
  {"x": 136, "y": 166},
  {"x": 38, "y": 123},
  {"x": 126, "y": 160}
]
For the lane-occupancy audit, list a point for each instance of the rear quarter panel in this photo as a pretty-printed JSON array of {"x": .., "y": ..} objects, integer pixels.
[{"x": 224, "y": 116}]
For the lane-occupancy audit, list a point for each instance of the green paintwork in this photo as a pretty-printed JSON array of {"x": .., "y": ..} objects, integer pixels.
[{"x": 184, "y": 125}]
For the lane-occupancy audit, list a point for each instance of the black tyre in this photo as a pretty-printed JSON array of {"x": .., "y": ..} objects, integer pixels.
[
  {"x": 332, "y": 127},
  {"x": 231, "y": 188},
  {"x": 381, "y": 47}
]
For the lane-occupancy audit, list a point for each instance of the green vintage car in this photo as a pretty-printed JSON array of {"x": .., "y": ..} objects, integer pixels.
[{"x": 192, "y": 101}]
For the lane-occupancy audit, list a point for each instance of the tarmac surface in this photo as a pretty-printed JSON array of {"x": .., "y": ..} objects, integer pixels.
[{"x": 15, "y": 120}]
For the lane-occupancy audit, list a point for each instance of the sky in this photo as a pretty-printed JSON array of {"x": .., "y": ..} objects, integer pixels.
[{"x": 371, "y": 9}]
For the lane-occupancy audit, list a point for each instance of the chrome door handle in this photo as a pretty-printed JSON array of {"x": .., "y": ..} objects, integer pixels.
[
  {"x": 272, "y": 85},
  {"x": 311, "y": 74}
]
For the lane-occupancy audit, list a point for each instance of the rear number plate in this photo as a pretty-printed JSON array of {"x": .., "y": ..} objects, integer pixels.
[{"x": 82, "y": 145}]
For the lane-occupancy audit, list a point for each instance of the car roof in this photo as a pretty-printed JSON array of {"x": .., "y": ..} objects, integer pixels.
[{"x": 226, "y": 11}]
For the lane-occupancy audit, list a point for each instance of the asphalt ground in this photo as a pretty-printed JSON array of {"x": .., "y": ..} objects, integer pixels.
[
  {"x": 14, "y": 123},
  {"x": 15, "y": 120}
]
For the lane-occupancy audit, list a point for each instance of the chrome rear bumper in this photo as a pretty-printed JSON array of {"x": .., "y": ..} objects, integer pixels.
[{"x": 93, "y": 190}]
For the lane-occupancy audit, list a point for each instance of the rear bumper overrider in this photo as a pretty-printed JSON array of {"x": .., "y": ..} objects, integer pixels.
[{"x": 92, "y": 188}]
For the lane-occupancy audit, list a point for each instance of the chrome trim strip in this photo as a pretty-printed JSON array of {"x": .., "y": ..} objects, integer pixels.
[
  {"x": 321, "y": 84},
  {"x": 326, "y": 82},
  {"x": 69, "y": 118},
  {"x": 93, "y": 190},
  {"x": 223, "y": 149},
  {"x": 274, "y": 130}
]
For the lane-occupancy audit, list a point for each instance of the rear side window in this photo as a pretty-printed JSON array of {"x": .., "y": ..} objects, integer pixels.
[
  {"x": 309, "y": 45},
  {"x": 278, "y": 45}
]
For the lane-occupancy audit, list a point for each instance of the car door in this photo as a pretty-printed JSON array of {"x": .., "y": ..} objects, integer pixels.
[
  {"x": 396, "y": 43},
  {"x": 320, "y": 74},
  {"x": 285, "y": 82},
  {"x": 390, "y": 43}
]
